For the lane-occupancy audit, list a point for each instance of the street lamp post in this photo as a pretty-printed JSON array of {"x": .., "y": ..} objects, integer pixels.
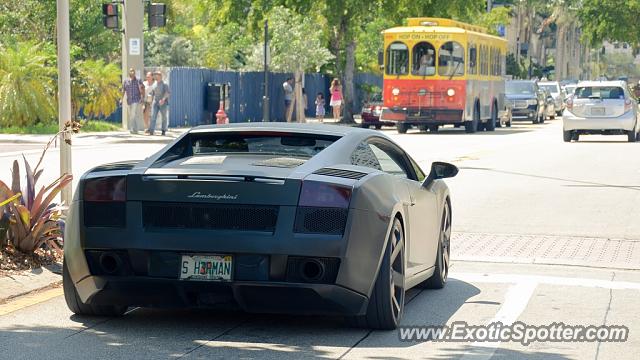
[{"x": 64, "y": 93}]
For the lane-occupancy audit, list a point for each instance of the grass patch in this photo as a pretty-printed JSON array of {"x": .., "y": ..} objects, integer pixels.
[{"x": 52, "y": 128}]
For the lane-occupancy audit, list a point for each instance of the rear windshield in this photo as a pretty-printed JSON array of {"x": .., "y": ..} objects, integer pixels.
[
  {"x": 304, "y": 145},
  {"x": 599, "y": 92},
  {"x": 520, "y": 88},
  {"x": 553, "y": 88}
]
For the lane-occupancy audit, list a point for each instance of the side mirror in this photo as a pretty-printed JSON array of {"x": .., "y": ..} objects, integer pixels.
[
  {"x": 440, "y": 170},
  {"x": 380, "y": 58}
]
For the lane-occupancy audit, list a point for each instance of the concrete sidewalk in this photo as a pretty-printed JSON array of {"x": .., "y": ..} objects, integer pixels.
[
  {"x": 25, "y": 282},
  {"x": 94, "y": 137}
]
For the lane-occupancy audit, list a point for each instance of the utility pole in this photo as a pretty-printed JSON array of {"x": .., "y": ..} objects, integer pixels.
[
  {"x": 265, "y": 97},
  {"x": 132, "y": 44},
  {"x": 64, "y": 92}
]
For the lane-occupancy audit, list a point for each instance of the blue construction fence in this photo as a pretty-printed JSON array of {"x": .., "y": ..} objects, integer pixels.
[{"x": 187, "y": 106}]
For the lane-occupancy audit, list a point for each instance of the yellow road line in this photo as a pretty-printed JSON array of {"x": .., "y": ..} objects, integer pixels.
[{"x": 29, "y": 300}]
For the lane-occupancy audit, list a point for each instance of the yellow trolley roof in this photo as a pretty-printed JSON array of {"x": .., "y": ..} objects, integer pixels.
[{"x": 439, "y": 25}]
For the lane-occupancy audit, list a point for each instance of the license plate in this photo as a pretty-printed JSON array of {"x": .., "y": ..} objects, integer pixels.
[
  {"x": 597, "y": 111},
  {"x": 206, "y": 267}
]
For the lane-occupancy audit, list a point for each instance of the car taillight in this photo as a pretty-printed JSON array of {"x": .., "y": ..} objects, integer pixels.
[
  {"x": 105, "y": 189},
  {"x": 570, "y": 103},
  {"x": 321, "y": 194},
  {"x": 628, "y": 105}
]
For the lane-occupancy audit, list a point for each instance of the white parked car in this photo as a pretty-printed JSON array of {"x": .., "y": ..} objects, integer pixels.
[
  {"x": 556, "y": 92},
  {"x": 601, "y": 107}
]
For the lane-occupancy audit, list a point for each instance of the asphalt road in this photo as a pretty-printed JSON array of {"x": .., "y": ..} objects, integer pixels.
[{"x": 521, "y": 193}]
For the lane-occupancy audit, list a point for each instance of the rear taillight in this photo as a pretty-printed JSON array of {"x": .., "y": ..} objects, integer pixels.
[
  {"x": 105, "y": 189},
  {"x": 628, "y": 105},
  {"x": 321, "y": 194}
]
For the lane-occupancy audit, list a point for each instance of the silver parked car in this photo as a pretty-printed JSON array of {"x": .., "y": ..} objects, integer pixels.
[
  {"x": 601, "y": 107},
  {"x": 557, "y": 93}
]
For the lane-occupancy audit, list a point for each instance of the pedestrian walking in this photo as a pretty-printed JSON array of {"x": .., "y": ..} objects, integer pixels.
[
  {"x": 161, "y": 95},
  {"x": 320, "y": 107},
  {"x": 336, "y": 98},
  {"x": 148, "y": 100},
  {"x": 133, "y": 94},
  {"x": 287, "y": 86}
]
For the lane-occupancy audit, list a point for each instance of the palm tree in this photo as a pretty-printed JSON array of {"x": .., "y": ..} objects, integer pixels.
[
  {"x": 27, "y": 84},
  {"x": 96, "y": 88}
]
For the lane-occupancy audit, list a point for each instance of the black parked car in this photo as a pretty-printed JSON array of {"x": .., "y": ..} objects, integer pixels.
[{"x": 527, "y": 101}]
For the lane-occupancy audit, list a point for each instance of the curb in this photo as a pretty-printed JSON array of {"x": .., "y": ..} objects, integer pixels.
[{"x": 29, "y": 281}]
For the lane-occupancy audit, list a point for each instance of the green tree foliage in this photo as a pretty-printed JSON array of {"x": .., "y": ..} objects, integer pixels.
[
  {"x": 96, "y": 88},
  {"x": 168, "y": 50},
  {"x": 224, "y": 47},
  {"x": 613, "y": 20},
  {"x": 27, "y": 87},
  {"x": 295, "y": 44}
]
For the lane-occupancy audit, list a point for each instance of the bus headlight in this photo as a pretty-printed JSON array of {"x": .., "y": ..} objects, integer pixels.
[
  {"x": 451, "y": 92},
  {"x": 395, "y": 91}
]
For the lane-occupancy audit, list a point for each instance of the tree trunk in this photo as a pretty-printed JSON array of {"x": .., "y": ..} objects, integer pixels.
[
  {"x": 560, "y": 47},
  {"x": 299, "y": 100},
  {"x": 348, "y": 86}
]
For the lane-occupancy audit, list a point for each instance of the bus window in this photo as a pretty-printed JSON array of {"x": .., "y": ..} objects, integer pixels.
[
  {"x": 397, "y": 59},
  {"x": 424, "y": 59},
  {"x": 473, "y": 59},
  {"x": 451, "y": 59}
]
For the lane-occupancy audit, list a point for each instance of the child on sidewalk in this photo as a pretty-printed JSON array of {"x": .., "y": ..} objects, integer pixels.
[{"x": 320, "y": 107}]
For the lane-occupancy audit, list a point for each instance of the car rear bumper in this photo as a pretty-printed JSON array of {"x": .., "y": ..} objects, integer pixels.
[
  {"x": 626, "y": 122},
  {"x": 264, "y": 297}
]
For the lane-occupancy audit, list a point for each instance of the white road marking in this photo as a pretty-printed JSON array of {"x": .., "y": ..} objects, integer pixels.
[
  {"x": 550, "y": 280},
  {"x": 514, "y": 304}
]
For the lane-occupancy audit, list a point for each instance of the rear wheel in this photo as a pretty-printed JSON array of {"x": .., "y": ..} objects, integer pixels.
[
  {"x": 378, "y": 127},
  {"x": 473, "y": 125},
  {"x": 491, "y": 124},
  {"x": 386, "y": 303},
  {"x": 402, "y": 128},
  {"x": 433, "y": 128},
  {"x": 567, "y": 136},
  {"x": 541, "y": 120},
  {"x": 77, "y": 306},
  {"x": 439, "y": 278},
  {"x": 632, "y": 136}
]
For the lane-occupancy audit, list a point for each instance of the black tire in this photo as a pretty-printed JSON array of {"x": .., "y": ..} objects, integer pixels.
[
  {"x": 77, "y": 306},
  {"x": 433, "y": 128},
  {"x": 535, "y": 120},
  {"x": 552, "y": 117},
  {"x": 474, "y": 125},
  {"x": 567, "y": 136},
  {"x": 508, "y": 124},
  {"x": 378, "y": 127},
  {"x": 385, "y": 308},
  {"x": 402, "y": 128},
  {"x": 491, "y": 124},
  {"x": 541, "y": 120},
  {"x": 443, "y": 257},
  {"x": 632, "y": 136}
]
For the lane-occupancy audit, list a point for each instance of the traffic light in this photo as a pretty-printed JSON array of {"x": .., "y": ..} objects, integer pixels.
[
  {"x": 110, "y": 16},
  {"x": 156, "y": 15}
]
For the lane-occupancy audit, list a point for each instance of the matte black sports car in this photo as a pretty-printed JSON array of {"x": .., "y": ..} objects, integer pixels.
[{"x": 269, "y": 217}]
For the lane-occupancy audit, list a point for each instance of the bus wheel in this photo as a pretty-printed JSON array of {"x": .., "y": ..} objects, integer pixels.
[
  {"x": 491, "y": 124},
  {"x": 433, "y": 128},
  {"x": 402, "y": 128},
  {"x": 473, "y": 125}
]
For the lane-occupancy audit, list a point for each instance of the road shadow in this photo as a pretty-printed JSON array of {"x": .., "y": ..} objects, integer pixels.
[{"x": 172, "y": 333}]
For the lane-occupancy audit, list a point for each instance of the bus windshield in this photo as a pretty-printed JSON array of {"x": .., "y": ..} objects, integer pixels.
[
  {"x": 397, "y": 59},
  {"x": 424, "y": 59}
]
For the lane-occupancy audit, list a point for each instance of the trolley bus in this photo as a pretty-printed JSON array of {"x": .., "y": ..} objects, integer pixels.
[{"x": 441, "y": 71}]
